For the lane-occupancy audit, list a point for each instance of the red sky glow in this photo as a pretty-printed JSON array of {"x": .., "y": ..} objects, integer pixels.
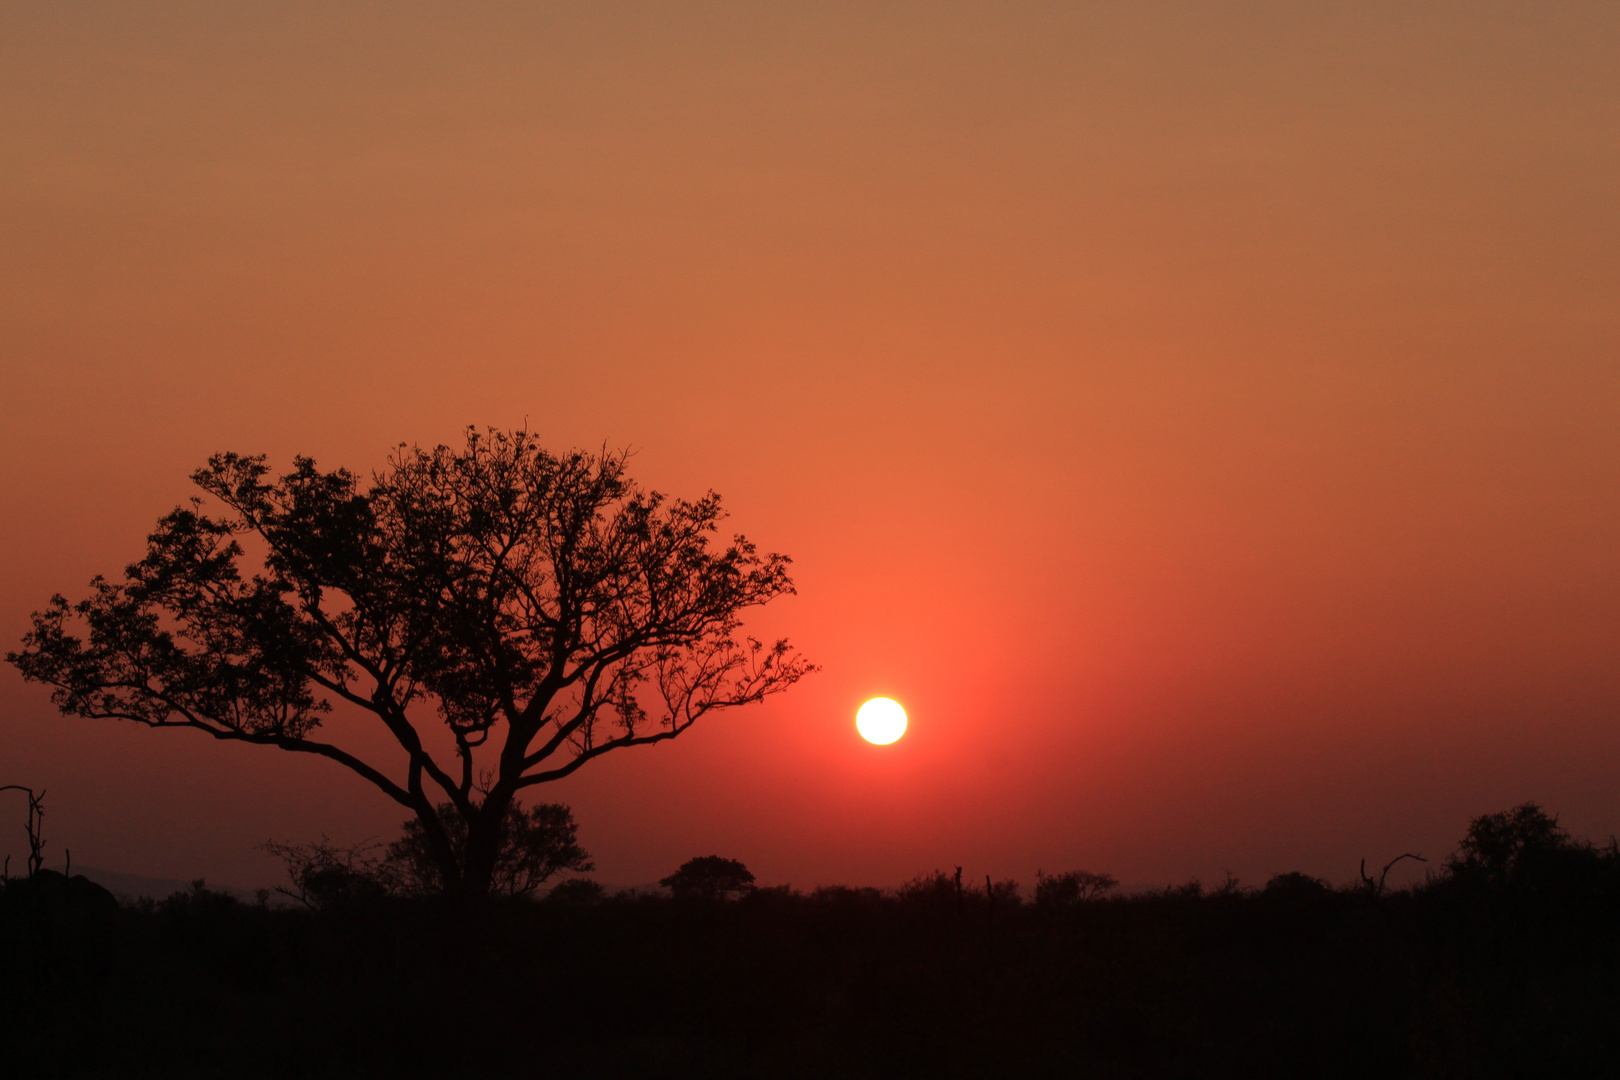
[{"x": 1204, "y": 418}]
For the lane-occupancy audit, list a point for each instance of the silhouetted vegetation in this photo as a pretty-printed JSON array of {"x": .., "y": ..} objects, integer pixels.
[
  {"x": 1074, "y": 887},
  {"x": 542, "y": 607},
  {"x": 535, "y": 844},
  {"x": 1504, "y": 963},
  {"x": 709, "y": 877},
  {"x": 34, "y": 827}
]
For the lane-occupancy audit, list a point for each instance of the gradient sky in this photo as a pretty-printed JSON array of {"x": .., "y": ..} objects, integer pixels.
[{"x": 1205, "y": 417}]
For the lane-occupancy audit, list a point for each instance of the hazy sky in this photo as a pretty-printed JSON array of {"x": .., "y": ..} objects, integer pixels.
[{"x": 1205, "y": 417}]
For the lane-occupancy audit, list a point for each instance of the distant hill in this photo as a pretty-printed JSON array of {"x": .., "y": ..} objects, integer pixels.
[{"x": 137, "y": 886}]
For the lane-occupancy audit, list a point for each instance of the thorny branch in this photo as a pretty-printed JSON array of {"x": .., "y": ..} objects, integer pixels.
[{"x": 36, "y": 820}]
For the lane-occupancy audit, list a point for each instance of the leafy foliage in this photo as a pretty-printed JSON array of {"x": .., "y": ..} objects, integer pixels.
[
  {"x": 710, "y": 877},
  {"x": 933, "y": 888},
  {"x": 537, "y": 843},
  {"x": 1522, "y": 847},
  {"x": 1074, "y": 887},
  {"x": 543, "y": 606}
]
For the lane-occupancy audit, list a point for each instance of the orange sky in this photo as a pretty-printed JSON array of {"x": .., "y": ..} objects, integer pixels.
[{"x": 1202, "y": 416}]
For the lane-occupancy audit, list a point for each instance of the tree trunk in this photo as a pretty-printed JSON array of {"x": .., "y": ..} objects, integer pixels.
[
  {"x": 441, "y": 849},
  {"x": 484, "y": 834}
]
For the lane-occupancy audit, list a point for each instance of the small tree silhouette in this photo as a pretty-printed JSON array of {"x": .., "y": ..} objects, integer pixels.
[
  {"x": 936, "y": 888},
  {"x": 1074, "y": 887},
  {"x": 325, "y": 876},
  {"x": 536, "y": 844},
  {"x": 1296, "y": 885},
  {"x": 709, "y": 877},
  {"x": 1512, "y": 847},
  {"x": 577, "y": 891}
]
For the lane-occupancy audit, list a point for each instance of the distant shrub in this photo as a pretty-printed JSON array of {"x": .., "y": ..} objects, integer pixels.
[
  {"x": 1525, "y": 849},
  {"x": 847, "y": 895},
  {"x": 1507, "y": 847},
  {"x": 1296, "y": 886},
  {"x": 327, "y": 876},
  {"x": 771, "y": 896},
  {"x": 709, "y": 877},
  {"x": 536, "y": 843},
  {"x": 580, "y": 891},
  {"x": 1074, "y": 887},
  {"x": 937, "y": 887},
  {"x": 1004, "y": 894}
]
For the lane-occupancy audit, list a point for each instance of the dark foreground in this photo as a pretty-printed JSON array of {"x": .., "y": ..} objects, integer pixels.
[{"x": 1464, "y": 978}]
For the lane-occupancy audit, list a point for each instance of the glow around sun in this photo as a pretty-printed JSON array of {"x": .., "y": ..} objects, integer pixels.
[{"x": 881, "y": 721}]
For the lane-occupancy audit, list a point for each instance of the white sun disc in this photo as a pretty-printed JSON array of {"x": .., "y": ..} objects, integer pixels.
[{"x": 881, "y": 721}]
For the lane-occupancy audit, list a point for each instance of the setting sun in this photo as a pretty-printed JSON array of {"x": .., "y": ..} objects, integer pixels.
[{"x": 881, "y": 721}]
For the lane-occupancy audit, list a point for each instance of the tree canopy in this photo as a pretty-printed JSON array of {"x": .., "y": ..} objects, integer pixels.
[
  {"x": 1518, "y": 847},
  {"x": 709, "y": 877},
  {"x": 537, "y": 843},
  {"x": 541, "y": 610}
]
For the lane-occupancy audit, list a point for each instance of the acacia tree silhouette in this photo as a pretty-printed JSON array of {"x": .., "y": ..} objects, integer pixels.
[
  {"x": 545, "y": 607},
  {"x": 1513, "y": 847},
  {"x": 710, "y": 877}
]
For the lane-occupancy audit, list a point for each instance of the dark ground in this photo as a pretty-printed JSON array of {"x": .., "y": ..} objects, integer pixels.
[{"x": 1481, "y": 976}]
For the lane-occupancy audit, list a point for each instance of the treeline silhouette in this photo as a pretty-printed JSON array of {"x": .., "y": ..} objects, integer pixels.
[{"x": 1504, "y": 962}]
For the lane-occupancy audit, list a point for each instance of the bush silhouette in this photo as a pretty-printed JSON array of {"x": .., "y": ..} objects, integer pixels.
[
  {"x": 536, "y": 843},
  {"x": 1074, "y": 887},
  {"x": 847, "y": 896},
  {"x": 1296, "y": 886},
  {"x": 1498, "y": 847},
  {"x": 577, "y": 891},
  {"x": 709, "y": 877},
  {"x": 1522, "y": 848},
  {"x": 328, "y": 877},
  {"x": 935, "y": 888}
]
